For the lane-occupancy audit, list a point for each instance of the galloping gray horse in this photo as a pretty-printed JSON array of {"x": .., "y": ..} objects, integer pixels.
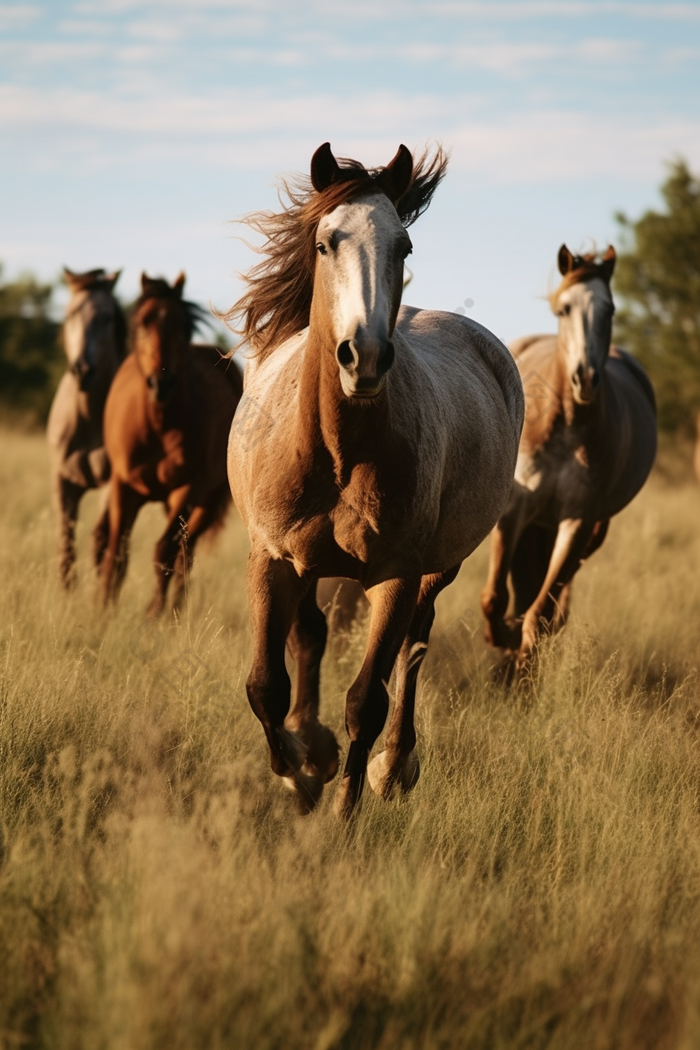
[{"x": 93, "y": 339}]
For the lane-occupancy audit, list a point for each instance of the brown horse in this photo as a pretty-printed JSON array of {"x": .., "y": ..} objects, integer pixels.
[
  {"x": 93, "y": 339},
  {"x": 389, "y": 454},
  {"x": 167, "y": 421},
  {"x": 588, "y": 445}
]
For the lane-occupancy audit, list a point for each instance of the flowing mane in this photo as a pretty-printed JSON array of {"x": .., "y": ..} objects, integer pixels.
[{"x": 277, "y": 300}]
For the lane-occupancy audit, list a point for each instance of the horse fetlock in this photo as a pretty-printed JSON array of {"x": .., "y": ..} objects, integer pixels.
[
  {"x": 391, "y": 769},
  {"x": 348, "y": 797}
]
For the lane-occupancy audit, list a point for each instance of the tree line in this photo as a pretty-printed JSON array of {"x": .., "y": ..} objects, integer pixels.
[{"x": 656, "y": 287}]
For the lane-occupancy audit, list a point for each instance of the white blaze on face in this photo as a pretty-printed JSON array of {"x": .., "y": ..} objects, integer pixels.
[
  {"x": 585, "y": 312},
  {"x": 87, "y": 328},
  {"x": 361, "y": 248}
]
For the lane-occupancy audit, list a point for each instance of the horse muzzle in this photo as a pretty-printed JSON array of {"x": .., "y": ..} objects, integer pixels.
[
  {"x": 585, "y": 382},
  {"x": 364, "y": 363},
  {"x": 160, "y": 387},
  {"x": 84, "y": 373}
]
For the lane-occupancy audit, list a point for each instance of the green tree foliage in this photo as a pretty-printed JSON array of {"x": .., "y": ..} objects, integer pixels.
[
  {"x": 31, "y": 359},
  {"x": 657, "y": 285}
]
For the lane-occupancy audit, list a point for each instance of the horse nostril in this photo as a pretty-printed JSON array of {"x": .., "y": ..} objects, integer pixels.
[{"x": 345, "y": 355}]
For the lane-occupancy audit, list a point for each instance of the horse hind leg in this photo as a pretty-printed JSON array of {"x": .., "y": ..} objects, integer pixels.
[
  {"x": 398, "y": 764},
  {"x": 203, "y": 519},
  {"x": 307, "y": 643}
]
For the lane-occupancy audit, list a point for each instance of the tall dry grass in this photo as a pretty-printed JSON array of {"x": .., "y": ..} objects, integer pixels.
[{"x": 539, "y": 888}]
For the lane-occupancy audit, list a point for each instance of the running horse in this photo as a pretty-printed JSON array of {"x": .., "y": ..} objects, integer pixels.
[
  {"x": 388, "y": 454},
  {"x": 587, "y": 447},
  {"x": 167, "y": 420},
  {"x": 94, "y": 334}
]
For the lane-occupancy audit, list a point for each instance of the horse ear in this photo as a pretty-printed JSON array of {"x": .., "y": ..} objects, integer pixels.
[
  {"x": 69, "y": 277},
  {"x": 565, "y": 260},
  {"x": 396, "y": 177},
  {"x": 324, "y": 168},
  {"x": 112, "y": 278},
  {"x": 179, "y": 282},
  {"x": 146, "y": 282},
  {"x": 607, "y": 264}
]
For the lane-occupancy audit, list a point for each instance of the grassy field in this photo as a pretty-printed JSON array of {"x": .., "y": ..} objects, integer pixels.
[{"x": 539, "y": 888}]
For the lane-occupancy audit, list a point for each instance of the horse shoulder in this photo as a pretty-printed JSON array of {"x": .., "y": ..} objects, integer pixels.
[
  {"x": 63, "y": 418},
  {"x": 126, "y": 417},
  {"x": 464, "y": 359}
]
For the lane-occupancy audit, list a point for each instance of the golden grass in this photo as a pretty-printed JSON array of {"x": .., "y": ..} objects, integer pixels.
[{"x": 539, "y": 888}]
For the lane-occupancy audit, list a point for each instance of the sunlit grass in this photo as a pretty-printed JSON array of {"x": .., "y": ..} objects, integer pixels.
[{"x": 539, "y": 888}]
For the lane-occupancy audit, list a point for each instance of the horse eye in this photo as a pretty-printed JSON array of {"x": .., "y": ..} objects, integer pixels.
[
  {"x": 565, "y": 310},
  {"x": 321, "y": 248}
]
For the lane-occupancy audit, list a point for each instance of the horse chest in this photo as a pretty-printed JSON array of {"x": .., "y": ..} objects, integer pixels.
[{"x": 558, "y": 479}]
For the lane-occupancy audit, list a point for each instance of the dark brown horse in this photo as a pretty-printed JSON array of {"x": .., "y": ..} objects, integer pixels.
[
  {"x": 587, "y": 447},
  {"x": 166, "y": 426},
  {"x": 93, "y": 339},
  {"x": 388, "y": 452}
]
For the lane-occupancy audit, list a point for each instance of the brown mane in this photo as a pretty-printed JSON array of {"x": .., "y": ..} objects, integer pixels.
[
  {"x": 585, "y": 268},
  {"x": 277, "y": 300}
]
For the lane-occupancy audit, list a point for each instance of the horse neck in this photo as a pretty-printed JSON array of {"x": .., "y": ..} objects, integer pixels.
[{"x": 350, "y": 434}]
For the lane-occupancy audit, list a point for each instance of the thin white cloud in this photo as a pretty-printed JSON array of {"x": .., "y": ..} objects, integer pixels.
[
  {"x": 15, "y": 16},
  {"x": 521, "y": 10},
  {"x": 263, "y": 133},
  {"x": 505, "y": 58}
]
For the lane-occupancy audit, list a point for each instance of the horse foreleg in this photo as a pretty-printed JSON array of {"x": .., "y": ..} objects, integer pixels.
[
  {"x": 100, "y": 532},
  {"x": 573, "y": 538},
  {"x": 124, "y": 505},
  {"x": 398, "y": 764},
  {"x": 67, "y": 498},
  {"x": 307, "y": 643},
  {"x": 274, "y": 593},
  {"x": 393, "y": 606},
  {"x": 175, "y": 537},
  {"x": 494, "y": 596}
]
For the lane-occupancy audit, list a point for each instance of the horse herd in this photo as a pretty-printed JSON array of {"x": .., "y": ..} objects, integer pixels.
[{"x": 400, "y": 439}]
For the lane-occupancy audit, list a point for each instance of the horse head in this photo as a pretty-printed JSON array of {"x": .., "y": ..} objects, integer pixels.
[
  {"x": 93, "y": 329},
  {"x": 584, "y": 305},
  {"x": 360, "y": 245},
  {"x": 162, "y": 326}
]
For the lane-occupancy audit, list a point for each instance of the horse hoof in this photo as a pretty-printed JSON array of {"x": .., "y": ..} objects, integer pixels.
[
  {"x": 307, "y": 787},
  {"x": 292, "y": 753},
  {"x": 383, "y": 776},
  {"x": 323, "y": 752}
]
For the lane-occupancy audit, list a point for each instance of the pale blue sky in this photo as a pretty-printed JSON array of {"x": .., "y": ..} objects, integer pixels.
[{"x": 132, "y": 132}]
